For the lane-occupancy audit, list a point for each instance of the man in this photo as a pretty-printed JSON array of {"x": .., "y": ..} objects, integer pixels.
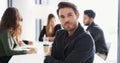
[
  {"x": 96, "y": 32},
  {"x": 72, "y": 44}
]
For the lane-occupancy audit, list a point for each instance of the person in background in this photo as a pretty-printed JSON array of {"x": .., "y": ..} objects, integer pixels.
[
  {"x": 72, "y": 44},
  {"x": 96, "y": 32},
  {"x": 10, "y": 30},
  {"x": 50, "y": 30}
]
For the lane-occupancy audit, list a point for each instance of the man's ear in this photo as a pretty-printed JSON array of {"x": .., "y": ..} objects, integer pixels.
[
  {"x": 77, "y": 14},
  {"x": 91, "y": 19}
]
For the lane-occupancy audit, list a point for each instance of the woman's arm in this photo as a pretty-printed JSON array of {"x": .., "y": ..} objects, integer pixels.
[{"x": 9, "y": 45}]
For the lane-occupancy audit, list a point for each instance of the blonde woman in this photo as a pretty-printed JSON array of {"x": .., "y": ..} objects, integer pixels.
[{"x": 50, "y": 29}]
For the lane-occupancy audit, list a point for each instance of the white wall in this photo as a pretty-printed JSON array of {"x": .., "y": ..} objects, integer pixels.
[
  {"x": 30, "y": 12},
  {"x": 3, "y": 6}
]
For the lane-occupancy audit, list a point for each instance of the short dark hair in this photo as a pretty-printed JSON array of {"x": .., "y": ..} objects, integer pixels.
[
  {"x": 90, "y": 13},
  {"x": 67, "y": 5}
]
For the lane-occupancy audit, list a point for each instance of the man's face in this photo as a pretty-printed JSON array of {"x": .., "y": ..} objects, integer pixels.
[
  {"x": 86, "y": 20},
  {"x": 68, "y": 18}
]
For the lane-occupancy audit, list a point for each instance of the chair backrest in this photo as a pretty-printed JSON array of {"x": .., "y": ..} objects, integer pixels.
[{"x": 112, "y": 54}]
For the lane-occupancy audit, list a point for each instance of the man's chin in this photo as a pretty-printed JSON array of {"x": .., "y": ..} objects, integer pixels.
[
  {"x": 86, "y": 24},
  {"x": 69, "y": 29}
]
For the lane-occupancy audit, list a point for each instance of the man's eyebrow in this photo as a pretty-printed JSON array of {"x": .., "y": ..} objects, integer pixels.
[
  {"x": 61, "y": 15},
  {"x": 70, "y": 13}
]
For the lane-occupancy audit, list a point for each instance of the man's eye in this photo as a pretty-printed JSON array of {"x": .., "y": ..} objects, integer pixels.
[
  {"x": 70, "y": 15},
  {"x": 61, "y": 16}
]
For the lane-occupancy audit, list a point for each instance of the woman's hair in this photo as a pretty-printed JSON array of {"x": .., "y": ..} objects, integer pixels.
[
  {"x": 50, "y": 16},
  {"x": 11, "y": 21}
]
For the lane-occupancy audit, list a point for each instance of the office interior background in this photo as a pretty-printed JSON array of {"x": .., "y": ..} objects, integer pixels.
[{"x": 35, "y": 12}]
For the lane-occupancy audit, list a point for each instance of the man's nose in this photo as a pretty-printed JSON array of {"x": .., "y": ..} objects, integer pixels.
[{"x": 66, "y": 19}]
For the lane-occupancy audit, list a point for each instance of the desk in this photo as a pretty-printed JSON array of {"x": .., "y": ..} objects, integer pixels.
[
  {"x": 39, "y": 56},
  {"x": 30, "y": 58}
]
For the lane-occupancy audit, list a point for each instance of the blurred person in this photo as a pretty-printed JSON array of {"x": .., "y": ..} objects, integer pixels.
[
  {"x": 50, "y": 30},
  {"x": 96, "y": 32},
  {"x": 10, "y": 30},
  {"x": 72, "y": 44}
]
